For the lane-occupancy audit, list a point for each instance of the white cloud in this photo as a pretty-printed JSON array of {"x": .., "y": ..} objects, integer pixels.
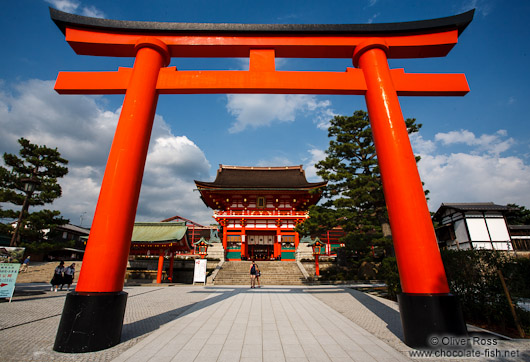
[
  {"x": 422, "y": 146},
  {"x": 69, "y": 6},
  {"x": 92, "y": 12},
  {"x": 489, "y": 143},
  {"x": 477, "y": 174},
  {"x": 74, "y": 7},
  {"x": 373, "y": 17},
  {"x": 483, "y": 7},
  {"x": 82, "y": 130},
  {"x": 258, "y": 110},
  {"x": 460, "y": 177},
  {"x": 310, "y": 169}
]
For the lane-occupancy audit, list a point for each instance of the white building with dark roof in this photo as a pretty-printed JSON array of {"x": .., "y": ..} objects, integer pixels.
[{"x": 466, "y": 226}]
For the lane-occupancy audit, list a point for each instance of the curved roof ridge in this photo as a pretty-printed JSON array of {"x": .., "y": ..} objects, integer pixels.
[
  {"x": 275, "y": 168},
  {"x": 64, "y": 20},
  {"x": 245, "y": 177}
]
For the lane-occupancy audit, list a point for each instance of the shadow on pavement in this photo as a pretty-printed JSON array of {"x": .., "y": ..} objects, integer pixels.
[
  {"x": 388, "y": 315},
  {"x": 147, "y": 325}
]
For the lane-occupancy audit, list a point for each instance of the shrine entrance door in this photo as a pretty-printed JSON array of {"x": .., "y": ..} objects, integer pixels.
[{"x": 261, "y": 246}]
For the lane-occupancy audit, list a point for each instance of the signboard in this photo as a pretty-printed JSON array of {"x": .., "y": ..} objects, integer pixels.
[
  {"x": 10, "y": 261},
  {"x": 199, "y": 274}
]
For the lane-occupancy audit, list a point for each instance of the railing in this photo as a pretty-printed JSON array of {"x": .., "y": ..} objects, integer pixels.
[{"x": 261, "y": 213}]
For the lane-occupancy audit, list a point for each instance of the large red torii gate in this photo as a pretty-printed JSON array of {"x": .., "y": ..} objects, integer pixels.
[{"x": 97, "y": 306}]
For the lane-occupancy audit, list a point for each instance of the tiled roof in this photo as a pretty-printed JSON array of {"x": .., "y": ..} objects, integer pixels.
[
  {"x": 237, "y": 177},
  {"x": 469, "y": 206}
]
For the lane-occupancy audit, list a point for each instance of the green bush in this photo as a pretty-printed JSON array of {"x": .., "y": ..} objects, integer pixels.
[
  {"x": 473, "y": 276},
  {"x": 388, "y": 272},
  {"x": 44, "y": 247}
]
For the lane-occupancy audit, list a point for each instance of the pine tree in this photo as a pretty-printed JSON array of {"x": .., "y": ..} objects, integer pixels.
[
  {"x": 353, "y": 198},
  {"x": 518, "y": 215},
  {"x": 43, "y": 166}
]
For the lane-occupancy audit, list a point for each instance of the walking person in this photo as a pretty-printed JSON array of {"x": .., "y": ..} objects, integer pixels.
[
  {"x": 258, "y": 274},
  {"x": 57, "y": 276},
  {"x": 253, "y": 273},
  {"x": 25, "y": 265},
  {"x": 69, "y": 273}
]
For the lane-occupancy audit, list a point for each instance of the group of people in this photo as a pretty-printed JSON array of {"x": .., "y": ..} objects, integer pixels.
[
  {"x": 254, "y": 275},
  {"x": 62, "y": 276}
]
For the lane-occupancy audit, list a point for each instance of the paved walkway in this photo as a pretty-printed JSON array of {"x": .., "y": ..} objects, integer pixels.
[
  {"x": 196, "y": 323},
  {"x": 270, "y": 324}
]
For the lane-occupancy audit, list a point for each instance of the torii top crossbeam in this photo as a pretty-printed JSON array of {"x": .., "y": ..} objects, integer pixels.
[{"x": 262, "y": 43}]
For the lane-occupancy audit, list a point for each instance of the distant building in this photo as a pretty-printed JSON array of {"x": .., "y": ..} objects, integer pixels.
[
  {"x": 520, "y": 235},
  {"x": 258, "y": 208},
  {"x": 71, "y": 232},
  {"x": 465, "y": 226}
]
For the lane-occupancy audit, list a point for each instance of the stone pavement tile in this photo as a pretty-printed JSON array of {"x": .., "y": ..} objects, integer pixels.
[
  {"x": 391, "y": 351},
  {"x": 251, "y": 359},
  {"x": 252, "y": 350},
  {"x": 334, "y": 351},
  {"x": 253, "y": 336},
  {"x": 233, "y": 344},
  {"x": 194, "y": 344},
  {"x": 217, "y": 338},
  {"x": 305, "y": 338},
  {"x": 209, "y": 351},
  {"x": 160, "y": 359},
  {"x": 378, "y": 353},
  {"x": 185, "y": 356},
  {"x": 293, "y": 350},
  {"x": 207, "y": 359},
  {"x": 273, "y": 356},
  {"x": 289, "y": 338},
  {"x": 168, "y": 350},
  {"x": 361, "y": 356},
  {"x": 271, "y": 337},
  {"x": 229, "y": 355},
  {"x": 269, "y": 326},
  {"x": 315, "y": 353},
  {"x": 326, "y": 339},
  {"x": 349, "y": 346}
]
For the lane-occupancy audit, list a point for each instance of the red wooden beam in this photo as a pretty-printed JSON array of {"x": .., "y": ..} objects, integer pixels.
[{"x": 172, "y": 81}]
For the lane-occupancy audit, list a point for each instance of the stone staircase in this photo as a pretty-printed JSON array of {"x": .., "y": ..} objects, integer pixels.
[
  {"x": 272, "y": 273},
  {"x": 42, "y": 272}
]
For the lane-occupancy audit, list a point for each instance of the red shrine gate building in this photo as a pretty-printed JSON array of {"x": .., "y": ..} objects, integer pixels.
[{"x": 258, "y": 209}]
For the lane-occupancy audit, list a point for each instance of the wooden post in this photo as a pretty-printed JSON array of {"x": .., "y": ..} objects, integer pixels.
[
  {"x": 510, "y": 303},
  {"x": 160, "y": 266}
]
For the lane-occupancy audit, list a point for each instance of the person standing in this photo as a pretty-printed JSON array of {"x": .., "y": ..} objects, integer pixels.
[
  {"x": 25, "y": 265},
  {"x": 258, "y": 274},
  {"x": 69, "y": 273},
  {"x": 57, "y": 276},
  {"x": 253, "y": 273}
]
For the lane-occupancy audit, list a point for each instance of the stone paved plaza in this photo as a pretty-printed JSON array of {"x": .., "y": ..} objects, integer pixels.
[{"x": 229, "y": 323}]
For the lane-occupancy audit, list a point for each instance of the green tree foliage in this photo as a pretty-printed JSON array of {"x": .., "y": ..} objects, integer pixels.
[
  {"x": 43, "y": 164},
  {"x": 518, "y": 215},
  {"x": 354, "y": 196},
  {"x": 472, "y": 275}
]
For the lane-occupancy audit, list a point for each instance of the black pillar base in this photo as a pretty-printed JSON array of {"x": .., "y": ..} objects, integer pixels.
[
  {"x": 90, "y": 322},
  {"x": 427, "y": 318}
]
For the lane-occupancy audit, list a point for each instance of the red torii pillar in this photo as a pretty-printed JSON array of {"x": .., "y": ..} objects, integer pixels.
[{"x": 97, "y": 306}]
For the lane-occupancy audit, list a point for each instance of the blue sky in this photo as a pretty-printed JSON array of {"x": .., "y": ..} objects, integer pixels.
[{"x": 474, "y": 148}]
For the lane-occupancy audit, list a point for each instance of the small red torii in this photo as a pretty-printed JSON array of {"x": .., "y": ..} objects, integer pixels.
[{"x": 426, "y": 305}]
